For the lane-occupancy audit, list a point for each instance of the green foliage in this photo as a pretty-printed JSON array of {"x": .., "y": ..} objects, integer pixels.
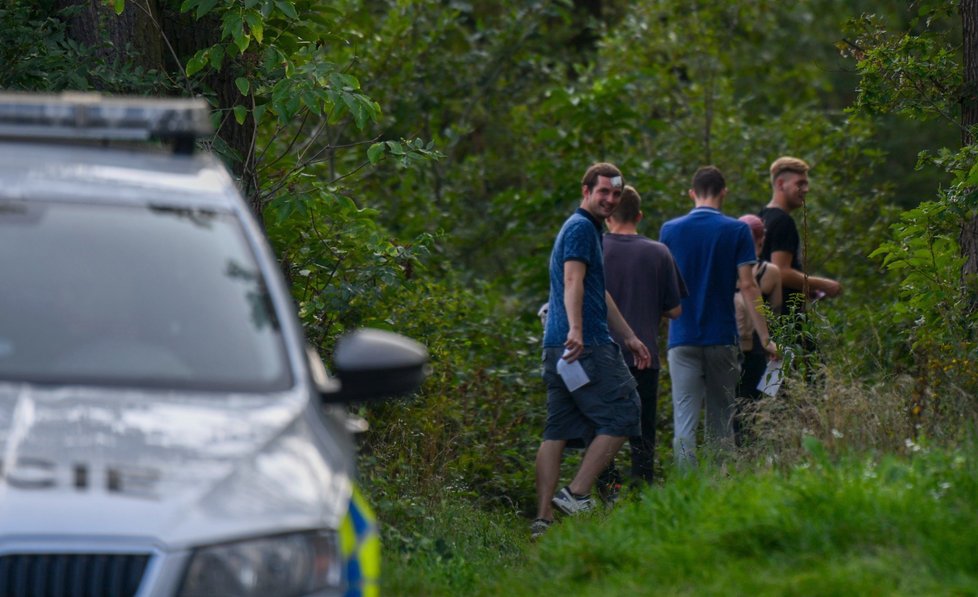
[
  {"x": 925, "y": 253},
  {"x": 413, "y": 159},
  {"x": 275, "y": 51},
  {"x": 37, "y": 54},
  {"x": 915, "y": 72},
  {"x": 829, "y": 524},
  {"x": 344, "y": 268},
  {"x": 33, "y": 52},
  {"x": 474, "y": 427},
  {"x": 822, "y": 528},
  {"x": 445, "y": 546}
]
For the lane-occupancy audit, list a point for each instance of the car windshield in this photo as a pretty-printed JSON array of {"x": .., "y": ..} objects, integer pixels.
[{"x": 143, "y": 296}]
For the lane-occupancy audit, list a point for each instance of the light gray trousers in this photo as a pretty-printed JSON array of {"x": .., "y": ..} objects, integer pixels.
[{"x": 703, "y": 376}]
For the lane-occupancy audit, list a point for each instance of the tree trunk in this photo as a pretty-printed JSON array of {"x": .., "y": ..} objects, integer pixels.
[
  {"x": 187, "y": 36},
  {"x": 969, "y": 118},
  {"x": 143, "y": 35},
  {"x": 132, "y": 37}
]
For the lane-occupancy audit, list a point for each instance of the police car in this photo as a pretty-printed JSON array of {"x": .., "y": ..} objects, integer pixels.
[{"x": 164, "y": 429}]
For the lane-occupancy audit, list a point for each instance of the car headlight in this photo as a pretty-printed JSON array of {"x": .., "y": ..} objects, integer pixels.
[{"x": 283, "y": 565}]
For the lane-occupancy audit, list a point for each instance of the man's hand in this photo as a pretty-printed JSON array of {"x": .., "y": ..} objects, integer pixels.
[
  {"x": 574, "y": 345},
  {"x": 643, "y": 358},
  {"x": 772, "y": 350},
  {"x": 831, "y": 288}
]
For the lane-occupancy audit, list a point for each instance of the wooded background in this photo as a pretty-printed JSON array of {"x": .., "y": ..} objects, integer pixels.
[{"x": 411, "y": 161}]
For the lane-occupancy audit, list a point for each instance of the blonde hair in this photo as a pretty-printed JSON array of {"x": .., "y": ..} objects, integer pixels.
[{"x": 787, "y": 164}]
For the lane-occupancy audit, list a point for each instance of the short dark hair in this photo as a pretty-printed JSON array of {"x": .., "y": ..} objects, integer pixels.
[
  {"x": 599, "y": 169},
  {"x": 708, "y": 182},
  {"x": 629, "y": 207}
]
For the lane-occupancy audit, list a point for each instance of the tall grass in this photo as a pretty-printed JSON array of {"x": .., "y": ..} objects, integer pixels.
[
  {"x": 857, "y": 525},
  {"x": 842, "y": 489}
]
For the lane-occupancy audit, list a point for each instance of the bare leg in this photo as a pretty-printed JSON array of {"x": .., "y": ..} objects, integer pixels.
[
  {"x": 548, "y": 473},
  {"x": 602, "y": 449}
]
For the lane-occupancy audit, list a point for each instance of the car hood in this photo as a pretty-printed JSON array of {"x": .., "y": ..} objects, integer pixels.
[{"x": 175, "y": 469}]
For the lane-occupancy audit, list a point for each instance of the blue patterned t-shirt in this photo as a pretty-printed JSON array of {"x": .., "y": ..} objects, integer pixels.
[{"x": 578, "y": 240}]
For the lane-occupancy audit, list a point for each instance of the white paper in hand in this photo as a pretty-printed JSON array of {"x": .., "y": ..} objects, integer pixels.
[
  {"x": 572, "y": 373},
  {"x": 770, "y": 381}
]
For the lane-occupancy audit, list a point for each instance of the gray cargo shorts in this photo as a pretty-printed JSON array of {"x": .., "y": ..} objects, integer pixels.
[{"x": 607, "y": 405}]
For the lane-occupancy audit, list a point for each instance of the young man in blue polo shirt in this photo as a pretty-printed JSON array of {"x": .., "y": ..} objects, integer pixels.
[
  {"x": 713, "y": 252},
  {"x": 603, "y": 412}
]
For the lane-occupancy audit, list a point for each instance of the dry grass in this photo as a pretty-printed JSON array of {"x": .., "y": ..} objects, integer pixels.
[{"x": 847, "y": 415}]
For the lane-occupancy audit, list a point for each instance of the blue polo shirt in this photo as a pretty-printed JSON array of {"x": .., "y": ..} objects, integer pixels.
[
  {"x": 579, "y": 239},
  {"x": 708, "y": 248}
]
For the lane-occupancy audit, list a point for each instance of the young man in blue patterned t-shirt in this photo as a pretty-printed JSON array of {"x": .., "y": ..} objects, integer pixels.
[{"x": 604, "y": 411}]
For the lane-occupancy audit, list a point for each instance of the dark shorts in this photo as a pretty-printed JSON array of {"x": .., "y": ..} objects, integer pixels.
[{"x": 607, "y": 405}]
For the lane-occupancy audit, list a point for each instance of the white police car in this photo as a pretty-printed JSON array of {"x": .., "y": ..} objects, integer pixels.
[{"x": 163, "y": 429}]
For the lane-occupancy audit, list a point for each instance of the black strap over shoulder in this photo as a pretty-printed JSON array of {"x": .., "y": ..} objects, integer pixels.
[{"x": 761, "y": 268}]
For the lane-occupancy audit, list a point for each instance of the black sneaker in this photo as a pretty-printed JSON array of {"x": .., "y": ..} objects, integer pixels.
[
  {"x": 609, "y": 484},
  {"x": 610, "y": 493},
  {"x": 570, "y": 504},
  {"x": 538, "y": 527}
]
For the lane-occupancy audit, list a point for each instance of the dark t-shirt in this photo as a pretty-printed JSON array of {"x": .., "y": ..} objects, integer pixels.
[
  {"x": 781, "y": 234},
  {"x": 642, "y": 277}
]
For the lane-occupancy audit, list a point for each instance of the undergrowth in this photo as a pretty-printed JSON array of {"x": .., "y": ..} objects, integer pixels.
[{"x": 828, "y": 525}]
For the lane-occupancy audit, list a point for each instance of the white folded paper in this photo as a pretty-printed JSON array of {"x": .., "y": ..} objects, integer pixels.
[
  {"x": 770, "y": 381},
  {"x": 572, "y": 374}
]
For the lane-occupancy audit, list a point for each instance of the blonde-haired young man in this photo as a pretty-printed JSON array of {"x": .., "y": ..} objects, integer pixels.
[{"x": 782, "y": 245}]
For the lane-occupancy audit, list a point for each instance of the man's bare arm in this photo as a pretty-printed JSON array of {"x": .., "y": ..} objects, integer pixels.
[
  {"x": 794, "y": 279},
  {"x": 752, "y": 297},
  {"x": 574, "y": 272},
  {"x": 643, "y": 358}
]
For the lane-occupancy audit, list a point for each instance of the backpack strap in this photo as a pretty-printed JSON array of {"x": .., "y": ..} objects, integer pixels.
[{"x": 761, "y": 269}]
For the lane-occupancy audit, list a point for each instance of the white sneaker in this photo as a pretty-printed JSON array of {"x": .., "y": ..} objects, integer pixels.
[{"x": 569, "y": 504}]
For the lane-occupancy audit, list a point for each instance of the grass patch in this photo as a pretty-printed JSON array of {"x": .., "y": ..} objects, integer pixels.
[
  {"x": 854, "y": 525},
  {"x": 449, "y": 547}
]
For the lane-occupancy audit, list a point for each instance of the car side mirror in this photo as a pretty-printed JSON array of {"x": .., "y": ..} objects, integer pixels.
[{"x": 373, "y": 364}]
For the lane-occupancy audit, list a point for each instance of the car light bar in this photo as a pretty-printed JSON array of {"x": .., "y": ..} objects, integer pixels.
[{"x": 90, "y": 116}]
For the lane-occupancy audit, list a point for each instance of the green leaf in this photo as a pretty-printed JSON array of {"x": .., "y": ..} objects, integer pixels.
[
  {"x": 241, "y": 39},
  {"x": 375, "y": 152},
  {"x": 204, "y": 7},
  {"x": 255, "y": 25},
  {"x": 259, "y": 112},
  {"x": 243, "y": 85},
  {"x": 240, "y": 113},
  {"x": 120, "y": 5},
  {"x": 287, "y": 8},
  {"x": 216, "y": 56},
  {"x": 196, "y": 63},
  {"x": 312, "y": 101}
]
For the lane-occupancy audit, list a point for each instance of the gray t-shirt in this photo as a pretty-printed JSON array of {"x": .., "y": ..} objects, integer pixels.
[{"x": 642, "y": 277}]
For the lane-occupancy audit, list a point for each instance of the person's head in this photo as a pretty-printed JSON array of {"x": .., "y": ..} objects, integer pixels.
[
  {"x": 708, "y": 183},
  {"x": 756, "y": 230},
  {"x": 597, "y": 170},
  {"x": 789, "y": 182},
  {"x": 629, "y": 210},
  {"x": 601, "y": 189}
]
